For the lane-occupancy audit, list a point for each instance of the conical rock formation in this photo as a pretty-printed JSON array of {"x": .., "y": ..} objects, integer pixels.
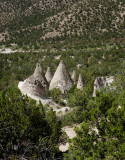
[
  {"x": 101, "y": 82},
  {"x": 80, "y": 83},
  {"x": 98, "y": 84},
  {"x": 61, "y": 78},
  {"x": 49, "y": 75},
  {"x": 40, "y": 76},
  {"x": 74, "y": 77},
  {"x": 32, "y": 87}
]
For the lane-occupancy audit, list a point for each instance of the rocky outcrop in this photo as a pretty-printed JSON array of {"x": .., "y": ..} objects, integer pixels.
[
  {"x": 101, "y": 82},
  {"x": 49, "y": 75},
  {"x": 98, "y": 84},
  {"x": 81, "y": 82},
  {"x": 61, "y": 79},
  {"x": 32, "y": 88},
  {"x": 35, "y": 85},
  {"x": 74, "y": 77},
  {"x": 69, "y": 130},
  {"x": 40, "y": 76}
]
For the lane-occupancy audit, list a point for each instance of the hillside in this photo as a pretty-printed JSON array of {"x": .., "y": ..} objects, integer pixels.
[{"x": 73, "y": 23}]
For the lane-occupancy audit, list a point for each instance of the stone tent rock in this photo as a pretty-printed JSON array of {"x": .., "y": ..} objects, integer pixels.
[
  {"x": 49, "y": 75},
  {"x": 98, "y": 84},
  {"x": 102, "y": 82},
  {"x": 61, "y": 78},
  {"x": 40, "y": 76},
  {"x": 74, "y": 77},
  {"x": 32, "y": 87},
  {"x": 80, "y": 83}
]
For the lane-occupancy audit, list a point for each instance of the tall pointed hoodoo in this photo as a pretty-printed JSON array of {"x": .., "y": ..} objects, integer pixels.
[
  {"x": 61, "y": 78},
  {"x": 74, "y": 77},
  {"x": 40, "y": 76},
  {"x": 80, "y": 83},
  {"x": 49, "y": 75}
]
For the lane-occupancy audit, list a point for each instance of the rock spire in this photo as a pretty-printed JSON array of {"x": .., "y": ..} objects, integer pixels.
[
  {"x": 80, "y": 83},
  {"x": 49, "y": 75},
  {"x": 74, "y": 77},
  {"x": 40, "y": 76},
  {"x": 101, "y": 82},
  {"x": 98, "y": 84},
  {"x": 61, "y": 78}
]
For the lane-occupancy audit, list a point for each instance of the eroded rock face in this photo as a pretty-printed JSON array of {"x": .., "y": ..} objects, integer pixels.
[
  {"x": 102, "y": 82},
  {"x": 81, "y": 83},
  {"x": 74, "y": 77},
  {"x": 32, "y": 87},
  {"x": 35, "y": 85},
  {"x": 40, "y": 76},
  {"x": 61, "y": 78},
  {"x": 49, "y": 75},
  {"x": 98, "y": 84}
]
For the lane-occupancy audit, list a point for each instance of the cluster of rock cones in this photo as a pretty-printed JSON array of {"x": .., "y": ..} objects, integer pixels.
[{"x": 37, "y": 84}]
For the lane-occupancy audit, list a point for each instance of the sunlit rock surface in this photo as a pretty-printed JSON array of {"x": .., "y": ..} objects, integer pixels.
[
  {"x": 40, "y": 76},
  {"x": 81, "y": 83},
  {"x": 102, "y": 82},
  {"x": 49, "y": 75},
  {"x": 32, "y": 88},
  {"x": 74, "y": 77},
  {"x": 61, "y": 78}
]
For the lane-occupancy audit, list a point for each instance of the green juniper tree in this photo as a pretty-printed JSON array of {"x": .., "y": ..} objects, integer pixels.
[
  {"x": 102, "y": 133},
  {"x": 24, "y": 129}
]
